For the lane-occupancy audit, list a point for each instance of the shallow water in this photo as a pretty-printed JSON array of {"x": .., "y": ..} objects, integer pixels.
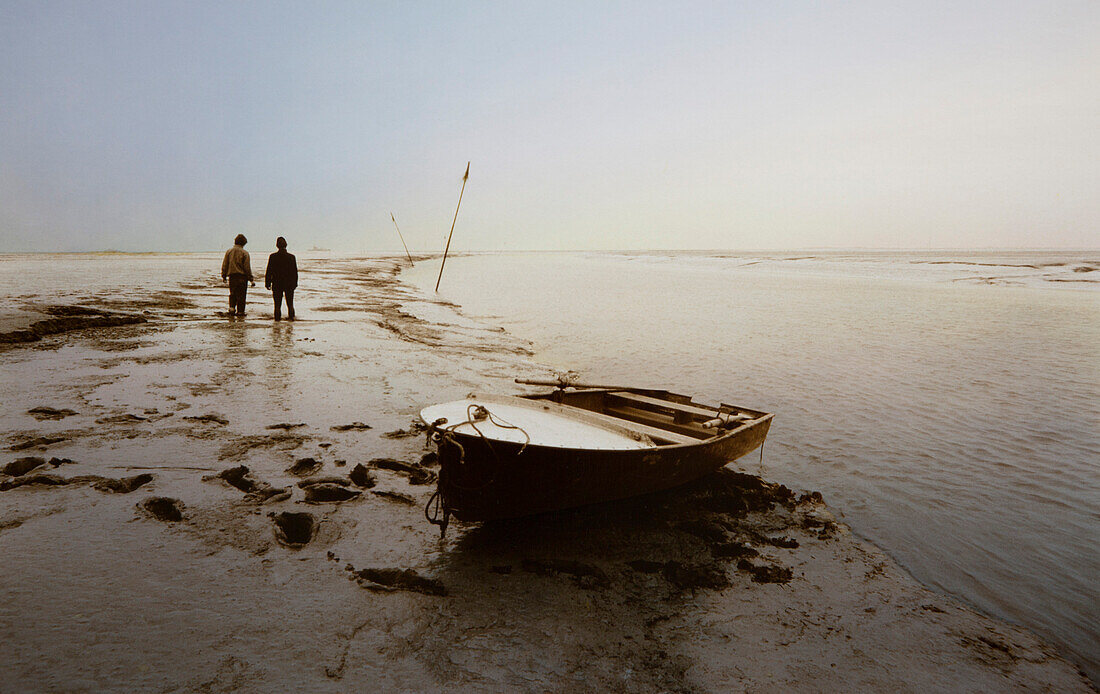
[{"x": 947, "y": 403}]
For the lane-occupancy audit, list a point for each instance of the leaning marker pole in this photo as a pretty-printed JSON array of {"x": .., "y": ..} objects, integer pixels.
[
  {"x": 464, "y": 177},
  {"x": 400, "y": 236}
]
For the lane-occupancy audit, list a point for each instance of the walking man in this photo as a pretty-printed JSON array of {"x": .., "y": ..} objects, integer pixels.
[
  {"x": 238, "y": 270},
  {"x": 281, "y": 277}
]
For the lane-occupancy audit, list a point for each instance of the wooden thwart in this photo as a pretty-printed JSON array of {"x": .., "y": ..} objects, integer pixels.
[
  {"x": 639, "y": 428},
  {"x": 646, "y": 402}
]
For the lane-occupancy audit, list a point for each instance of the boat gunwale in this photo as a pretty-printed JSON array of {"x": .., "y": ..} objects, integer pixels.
[{"x": 579, "y": 413}]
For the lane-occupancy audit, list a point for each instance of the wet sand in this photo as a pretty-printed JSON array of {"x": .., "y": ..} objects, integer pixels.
[{"x": 197, "y": 502}]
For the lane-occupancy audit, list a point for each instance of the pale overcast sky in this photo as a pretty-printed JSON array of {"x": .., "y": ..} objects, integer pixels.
[{"x": 590, "y": 125}]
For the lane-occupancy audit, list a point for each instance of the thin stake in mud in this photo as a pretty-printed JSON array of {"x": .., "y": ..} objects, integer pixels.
[
  {"x": 402, "y": 237},
  {"x": 448, "y": 248}
]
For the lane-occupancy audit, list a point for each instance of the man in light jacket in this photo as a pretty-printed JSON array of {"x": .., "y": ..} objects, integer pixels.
[
  {"x": 238, "y": 270},
  {"x": 281, "y": 277}
]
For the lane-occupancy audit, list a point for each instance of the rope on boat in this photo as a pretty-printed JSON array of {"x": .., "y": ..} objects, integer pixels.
[{"x": 445, "y": 435}]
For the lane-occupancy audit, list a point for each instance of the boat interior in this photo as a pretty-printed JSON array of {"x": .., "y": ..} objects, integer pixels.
[{"x": 666, "y": 418}]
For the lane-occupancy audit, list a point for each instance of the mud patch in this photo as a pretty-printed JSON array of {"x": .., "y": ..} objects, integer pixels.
[
  {"x": 37, "y": 442},
  {"x": 415, "y": 475},
  {"x": 354, "y": 426},
  {"x": 286, "y": 426},
  {"x": 687, "y": 576},
  {"x": 389, "y": 580},
  {"x": 122, "y": 419},
  {"x": 415, "y": 429},
  {"x": 294, "y": 530},
  {"x": 242, "y": 446},
  {"x": 123, "y": 485},
  {"x": 44, "y": 413},
  {"x": 69, "y": 318},
  {"x": 765, "y": 573},
  {"x": 208, "y": 419},
  {"x": 586, "y": 576},
  {"x": 163, "y": 508}
]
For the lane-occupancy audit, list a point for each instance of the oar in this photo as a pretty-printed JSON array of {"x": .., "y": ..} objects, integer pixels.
[
  {"x": 568, "y": 384},
  {"x": 400, "y": 236},
  {"x": 464, "y": 177}
]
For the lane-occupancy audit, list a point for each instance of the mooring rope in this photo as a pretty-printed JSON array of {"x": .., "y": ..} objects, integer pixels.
[{"x": 445, "y": 435}]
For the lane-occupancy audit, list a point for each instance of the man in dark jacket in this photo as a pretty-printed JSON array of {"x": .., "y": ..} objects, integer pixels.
[
  {"x": 281, "y": 278},
  {"x": 237, "y": 269}
]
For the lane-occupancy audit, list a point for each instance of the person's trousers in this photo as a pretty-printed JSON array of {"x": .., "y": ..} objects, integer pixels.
[
  {"x": 238, "y": 291},
  {"x": 277, "y": 293}
]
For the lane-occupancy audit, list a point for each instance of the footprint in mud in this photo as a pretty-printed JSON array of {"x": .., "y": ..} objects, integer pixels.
[
  {"x": 396, "y": 496},
  {"x": 362, "y": 477},
  {"x": 305, "y": 467},
  {"x": 294, "y": 530},
  {"x": 163, "y": 508},
  {"x": 21, "y": 466},
  {"x": 329, "y": 492},
  {"x": 328, "y": 479},
  {"x": 255, "y": 490}
]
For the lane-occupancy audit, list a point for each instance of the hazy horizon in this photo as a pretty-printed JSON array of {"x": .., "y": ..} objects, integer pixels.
[{"x": 781, "y": 127}]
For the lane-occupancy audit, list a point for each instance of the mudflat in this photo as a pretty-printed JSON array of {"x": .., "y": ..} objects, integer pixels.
[{"x": 190, "y": 501}]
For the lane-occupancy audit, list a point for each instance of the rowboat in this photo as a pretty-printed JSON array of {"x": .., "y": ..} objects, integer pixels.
[{"x": 506, "y": 456}]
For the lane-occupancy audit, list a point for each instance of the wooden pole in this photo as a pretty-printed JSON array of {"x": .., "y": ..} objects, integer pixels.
[
  {"x": 448, "y": 248},
  {"x": 400, "y": 236}
]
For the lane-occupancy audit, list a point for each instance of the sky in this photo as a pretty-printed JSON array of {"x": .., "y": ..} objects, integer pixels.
[{"x": 173, "y": 126}]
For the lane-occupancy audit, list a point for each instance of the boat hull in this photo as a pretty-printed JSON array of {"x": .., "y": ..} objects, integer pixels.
[{"x": 483, "y": 480}]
